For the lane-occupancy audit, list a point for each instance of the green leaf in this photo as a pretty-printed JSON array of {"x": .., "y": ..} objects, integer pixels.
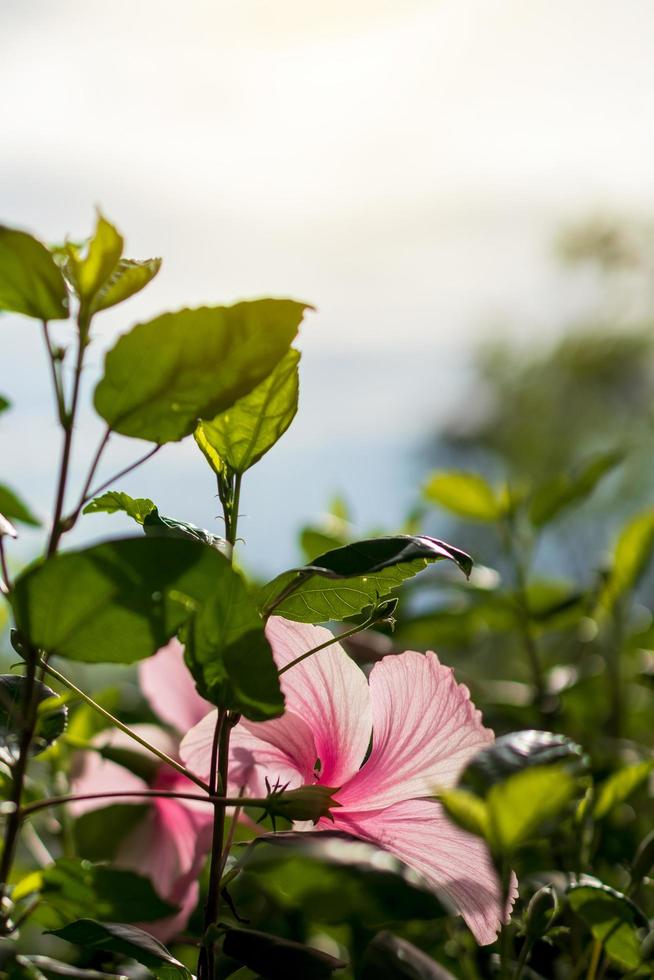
[
  {"x": 90, "y": 272},
  {"x": 389, "y": 957},
  {"x": 114, "y": 501},
  {"x": 156, "y": 525},
  {"x": 517, "y": 751},
  {"x": 129, "y": 277},
  {"x": 166, "y": 374},
  {"x": 245, "y": 432},
  {"x": 14, "y": 508},
  {"x": 343, "y": 582},
  {"x": 228, "y": 654},
  {"x": 99, "y": 833},
  {"x": 619, "y": 787},
  {"x": 613, "y": 919},
  {"x": 39, "y": 967},
  {"x": 50, "y": 723},
  {"x": 115, "y": 602},
  {"x": 4, "y": 404},
  {"x": 466, "y": 810},
  {"x": 278, "y": 959},
  {"x": 572, "y": 488},
  {"x": 30, "y": 280},
  {"x": 465, "y": 494},
  {"x": 72, "y": 888},
  {"x": 126, "y": 939},
  {"x": 336, "y": 878},
  {"x": 631, "y": 557},
  {"x": 524, "y": 803}
]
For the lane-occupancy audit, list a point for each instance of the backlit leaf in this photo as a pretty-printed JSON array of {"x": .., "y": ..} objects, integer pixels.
[
  {"x": 465, "y": 494},
  {"x": 115, "y": 602},
  {"x": 166, "y": 374},
  {"x": 568, "y": 489},
  {"x": 619, "y": 787},
  {"x": 113, "y": 501},
  {"x": 345, "y": 581},
  {"x": 14, "y": 508},
  {"x": 129, "y": 277},
  {"x": 245, "y": 432},
  {"x": 91, "y": 271},
  {"x": 612, "y": 918},
  {"x": 631, "y": 557},
  {"x": 30, "y": 280}
]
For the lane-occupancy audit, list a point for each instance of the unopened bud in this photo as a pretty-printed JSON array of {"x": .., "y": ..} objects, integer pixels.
[
  {"x": 541, "y": 912},
  {"x": 304, "y": 803}
]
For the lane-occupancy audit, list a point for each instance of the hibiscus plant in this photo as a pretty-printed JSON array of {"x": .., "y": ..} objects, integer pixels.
[{"x": 290, "y": 792}]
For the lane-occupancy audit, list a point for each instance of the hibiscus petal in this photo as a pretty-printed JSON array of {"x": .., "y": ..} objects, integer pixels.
[
  {"x": 93, "y": 774},
  {"x": 169, "y": 688},
  {"x": 329, "y": 692},
  {"x": 456, "y": 863},
  {"x": 283, "y": 750},
  {"x": 425, "y": 729},
  {"x": 169, "y": 847}
]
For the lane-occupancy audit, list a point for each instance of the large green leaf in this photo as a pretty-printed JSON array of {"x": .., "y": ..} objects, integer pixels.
[
  {"x": 390, "y": 957},
  {"x": 129, "y": 277},
  {"x": 50, "y": 723},
  {"x": 30, "y": 280},
  {"x": 245, "y": 432},
  {"x": 345, "y": 581},
  {"x": 613, "y": 919},
  {"x": 228, "y": 654},
  {"x": 72, "y": 888},
  {"x": 467, "y": 495},
  {"x": 567, "y": 489},
  {"x": 274, "y": 958},
  {"x": 115, "y": 937},
  {"x": 14, "y": 508},
  {"x": 166, "y": 374},
  {"x": 336, "y": 879},
  {"x": 115, "y": 602}
]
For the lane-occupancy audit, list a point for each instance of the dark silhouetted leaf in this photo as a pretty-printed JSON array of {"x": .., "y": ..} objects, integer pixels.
[
  {"x": 278, "y": 959},
  {"x": 30, "y": 280},
  {"x": 389, "y": 957},
  {"x": 38, "y": 967},
  {"x": 50, "y": 723},
  {"x": 517, "y": 751},
  {"x": 343, "y": 582},
  {"x": 164, "y": 375},
  {"x": 245, "y": 432},
  {"x": 115, "y": 602},
  {"x": 129, "y": 941}
]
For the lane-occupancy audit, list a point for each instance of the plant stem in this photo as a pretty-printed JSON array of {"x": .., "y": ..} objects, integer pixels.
[
  {"x": 18, "y": 773},
  {"x": 594, "y": 960},
  {"x": 94, "y": 465},
  {"x": 523, "y": 618},
  {"x": 124, "y": 728},
  {"x": 5, "y": 582},
  {"x": 56, "y": 380},
  {"x": 68, "y": 424},
  {"x": 89, "y": 494},
  {"x": 334, "y": 639},
  {"x": 223, "y": 801}
]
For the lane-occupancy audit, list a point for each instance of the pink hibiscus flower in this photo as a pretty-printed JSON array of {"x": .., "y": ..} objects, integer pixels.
[
  {"x": 170, "y": 844},
  {"x": 424, "y": 730}
]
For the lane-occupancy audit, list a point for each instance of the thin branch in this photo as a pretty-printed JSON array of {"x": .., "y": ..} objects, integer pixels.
[
  {"x": 147, "y": 794},
  {"x": 334, "y": 639},
  {"x": 124, "y": 728},
  {"x": 94, "y": 465},
  {"x": 90, "y": 494},
  {"x": 56, "y": 380}
]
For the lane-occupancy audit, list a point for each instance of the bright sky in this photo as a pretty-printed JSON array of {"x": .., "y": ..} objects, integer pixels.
[{"x": 402, "y": 164}]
